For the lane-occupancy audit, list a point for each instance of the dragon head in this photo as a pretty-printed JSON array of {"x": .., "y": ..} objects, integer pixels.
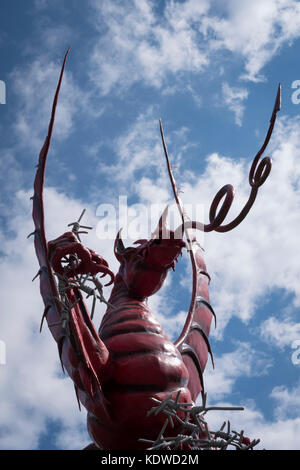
[{"x": 145, "y": 267}]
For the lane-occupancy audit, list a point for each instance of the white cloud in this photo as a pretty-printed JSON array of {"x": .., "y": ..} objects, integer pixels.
[
  {"x": 35, "y": 86},
  {"x": 281, "y": 434},
  {"x": 244, "y": 361},
  {"x": 54, "y": 36},
  {"x": 138, "y": 43},
  {"x": 233, "y": 98},
  {"x": 288, "y": 402},
  {"x": 140, "y": 148},
  {"x": 279, "y": 431},
  {"x": 40, "y": 4},
  {"x": 254, "y": 30},
  {"x": 279, "y": 332}
]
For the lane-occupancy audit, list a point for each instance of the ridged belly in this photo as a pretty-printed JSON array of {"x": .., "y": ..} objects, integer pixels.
[{"x": 144, "y": 363}]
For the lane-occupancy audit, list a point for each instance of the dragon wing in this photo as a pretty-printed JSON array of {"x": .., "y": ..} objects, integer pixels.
[{"x": 81, "y": 351}]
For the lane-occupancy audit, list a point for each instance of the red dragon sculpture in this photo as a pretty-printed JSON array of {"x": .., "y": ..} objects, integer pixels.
[{"x": 117, "y": 370}]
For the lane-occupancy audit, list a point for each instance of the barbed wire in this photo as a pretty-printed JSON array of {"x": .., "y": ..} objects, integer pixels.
[{"x": 194, "y": 432}]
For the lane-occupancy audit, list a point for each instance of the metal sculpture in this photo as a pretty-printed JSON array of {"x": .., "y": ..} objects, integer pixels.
[{"x": 118, "y": 370}]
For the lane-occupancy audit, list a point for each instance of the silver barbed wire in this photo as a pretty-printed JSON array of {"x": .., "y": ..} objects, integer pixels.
[
  {"x": 193, "y": 426},
  {"x": 76, "y": 226},
  {"x": 65, "y": 283}
]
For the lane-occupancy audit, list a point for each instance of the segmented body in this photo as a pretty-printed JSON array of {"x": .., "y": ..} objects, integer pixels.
[{"x": 144, "y": 364}]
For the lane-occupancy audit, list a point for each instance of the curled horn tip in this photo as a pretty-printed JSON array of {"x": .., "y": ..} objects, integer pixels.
[
  {"x": 119, "y": 247},
  {"x": 277, "y": 105}
]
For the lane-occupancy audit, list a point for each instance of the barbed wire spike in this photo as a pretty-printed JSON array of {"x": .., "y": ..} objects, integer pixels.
[
  {"x": 76, "y": 226},
  {"x": 194, "y": 431}
]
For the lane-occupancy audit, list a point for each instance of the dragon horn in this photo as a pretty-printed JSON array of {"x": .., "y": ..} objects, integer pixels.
[
  {"x": 119, "y": 247},
  {"x": 162, "y": 229}
]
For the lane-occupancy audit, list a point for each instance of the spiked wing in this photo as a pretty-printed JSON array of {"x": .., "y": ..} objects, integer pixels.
[{"x": 81, "y": 351}]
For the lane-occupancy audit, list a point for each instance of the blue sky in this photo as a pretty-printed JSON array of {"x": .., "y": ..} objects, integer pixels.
[{"x": 210, "y": 70}]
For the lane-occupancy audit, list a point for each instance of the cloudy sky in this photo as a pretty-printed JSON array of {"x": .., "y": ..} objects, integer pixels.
[{"x": 210, "y": 70}]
